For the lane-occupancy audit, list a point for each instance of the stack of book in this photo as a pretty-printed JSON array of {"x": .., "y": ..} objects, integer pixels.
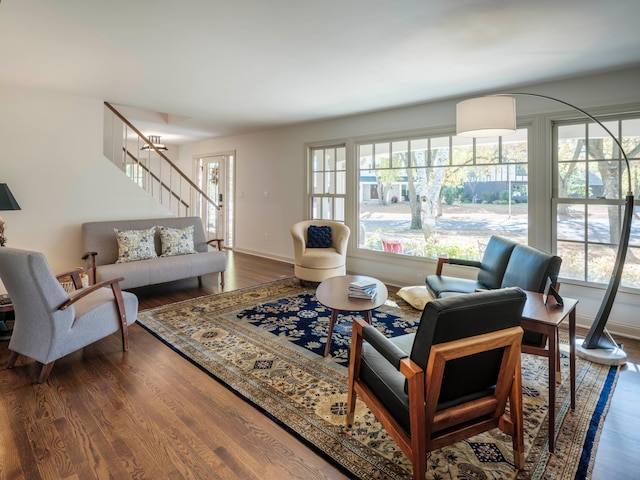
[{"x": 362, "y": 289}]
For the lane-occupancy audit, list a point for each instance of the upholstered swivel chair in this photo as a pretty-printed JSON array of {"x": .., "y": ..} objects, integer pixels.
[
  {"x": 51, "y": 323},
  {"x": 448, "y": 381},
  {"x": 315, "y": 264}
]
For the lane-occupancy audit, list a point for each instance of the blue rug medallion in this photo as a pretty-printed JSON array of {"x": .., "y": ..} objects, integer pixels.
[{"x": 301, "y": 319}]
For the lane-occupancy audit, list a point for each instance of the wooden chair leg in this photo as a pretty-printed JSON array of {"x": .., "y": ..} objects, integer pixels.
[
  {"x": 44, "y": 373},
  {"x": 222, "y": 279},
  {"x": 354, "y": 371},
  {"x": 199, "y": 281},
  {"x": 117, "y": 293},
  {"x": 13, "y": 356},
  {"x": 332, "y": 322},
  {"x": 517, "y": 416}
]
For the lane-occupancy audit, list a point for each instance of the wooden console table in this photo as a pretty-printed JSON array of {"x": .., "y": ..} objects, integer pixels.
[{"x": 546, "y": 319}]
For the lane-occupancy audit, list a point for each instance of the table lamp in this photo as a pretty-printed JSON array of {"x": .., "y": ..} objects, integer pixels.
[{"x": 7, "y": 202}]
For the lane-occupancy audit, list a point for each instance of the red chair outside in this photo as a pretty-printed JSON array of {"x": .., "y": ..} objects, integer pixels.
[{"x": 393, "y": 246}]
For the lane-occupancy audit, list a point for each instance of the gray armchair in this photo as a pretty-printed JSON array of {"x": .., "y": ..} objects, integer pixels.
[{"x": 50, "y": 323}]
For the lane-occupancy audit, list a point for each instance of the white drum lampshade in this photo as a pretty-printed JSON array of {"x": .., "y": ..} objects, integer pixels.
[{"x": 491, "y": 116}]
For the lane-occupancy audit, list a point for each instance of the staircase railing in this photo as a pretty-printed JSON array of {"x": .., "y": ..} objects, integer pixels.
[{"x": 153, "y": 171}]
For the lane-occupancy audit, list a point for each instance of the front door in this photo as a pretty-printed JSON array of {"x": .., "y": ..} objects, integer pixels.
[{"x": 214, "y": 179}]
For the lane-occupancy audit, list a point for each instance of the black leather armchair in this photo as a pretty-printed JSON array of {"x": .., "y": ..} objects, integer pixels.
[
  {"x": 505, "y": 263},
  {"x": 490, "y": 270},
  {"x": 448, "y": 381}
]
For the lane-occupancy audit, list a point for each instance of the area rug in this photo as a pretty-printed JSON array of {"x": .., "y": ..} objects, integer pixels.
[{"x": 265, "y": 343}]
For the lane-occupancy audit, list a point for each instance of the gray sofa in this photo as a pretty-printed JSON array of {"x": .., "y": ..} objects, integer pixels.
[{"x": 101, "y": 251}]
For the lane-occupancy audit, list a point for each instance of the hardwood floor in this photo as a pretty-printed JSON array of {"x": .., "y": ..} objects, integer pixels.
[{"x": 150, "y": 414}]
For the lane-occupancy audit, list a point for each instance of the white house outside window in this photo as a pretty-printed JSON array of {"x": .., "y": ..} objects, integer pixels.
[{"x": 444, "y": 194}]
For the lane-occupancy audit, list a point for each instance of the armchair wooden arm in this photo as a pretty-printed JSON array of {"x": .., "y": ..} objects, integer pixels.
[
  {"x": 92, "y": 264},
  {"x": 444, "y": 259},
  {"x": 75, "y": 276},
  {"x": 114, "y": 283},
  {"x": 111, "y": 282},
  {"x": 217, "y": 241}
]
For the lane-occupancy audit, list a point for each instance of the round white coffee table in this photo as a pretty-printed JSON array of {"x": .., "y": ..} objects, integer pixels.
[{"x": 333, "y": 293}]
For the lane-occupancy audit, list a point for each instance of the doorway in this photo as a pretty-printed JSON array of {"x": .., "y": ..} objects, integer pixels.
[{"x": 215, "y": 177}]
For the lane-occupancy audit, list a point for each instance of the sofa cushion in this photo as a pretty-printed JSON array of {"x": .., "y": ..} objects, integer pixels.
[
  {"x": 441, "y": 285},
  {"x": 163, "y": 269},
  {"x": 135, "y": 245},
  {"x": 176, "y": 241},
  {"x": 319, "y": 236},
  {"x": 321, "y": 259}
]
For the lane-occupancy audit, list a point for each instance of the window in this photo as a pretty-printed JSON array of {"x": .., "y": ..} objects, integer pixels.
[
  {"x": 443, "y": 194},
  {"x": 328, "y": 190},
  {"x": 590, "y": 187}
]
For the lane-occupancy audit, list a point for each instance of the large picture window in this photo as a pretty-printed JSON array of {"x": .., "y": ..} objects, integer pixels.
[
  {"x": 443, "y": 194},
  {"x": 591, "y": 184}
]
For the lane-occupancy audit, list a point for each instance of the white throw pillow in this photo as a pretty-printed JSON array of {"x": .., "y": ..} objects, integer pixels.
[{"x": 416, "y": 296}]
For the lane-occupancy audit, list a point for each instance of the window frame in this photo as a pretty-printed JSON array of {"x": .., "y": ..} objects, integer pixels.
[
  {"x": 311, "y": 172},
  {"x": 591, "y": 202},
  {"x": 429, "y": 135}
]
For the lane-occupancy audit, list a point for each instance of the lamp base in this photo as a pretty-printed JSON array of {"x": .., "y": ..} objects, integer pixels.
[{"x": 604, "y": 356}]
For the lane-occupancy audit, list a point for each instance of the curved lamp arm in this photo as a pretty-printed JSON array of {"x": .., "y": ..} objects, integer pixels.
[{"x": 475, "y": 112}]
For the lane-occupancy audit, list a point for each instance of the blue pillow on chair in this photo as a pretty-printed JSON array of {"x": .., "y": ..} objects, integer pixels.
[{"x": 319, "y": 237}]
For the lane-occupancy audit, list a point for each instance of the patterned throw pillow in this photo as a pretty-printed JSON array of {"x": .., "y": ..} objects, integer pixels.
[
  {"x": 319, "y": 237},
  {"x": 176, "y": 241},
  {"x": 134, "y": 245}
]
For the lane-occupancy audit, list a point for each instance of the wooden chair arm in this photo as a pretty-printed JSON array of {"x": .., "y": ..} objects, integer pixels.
[
  {"x": 113, "y": 282},
  {"x": 218, "y": 242},
  {"x": 74, "y": 275},
  {"x": 442, "y": 259},
  {"x": 92, "y": 264}
]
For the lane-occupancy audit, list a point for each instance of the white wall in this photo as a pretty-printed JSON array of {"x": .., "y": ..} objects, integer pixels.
[
  {"x": 51, "y": 158},
  {"x": 274, "y": 162}
]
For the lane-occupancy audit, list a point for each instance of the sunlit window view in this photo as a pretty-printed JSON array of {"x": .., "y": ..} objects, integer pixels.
[
  {"x": 328, "y": 182},
  {"x": 433, "y": 195},
  {"x": 592, "y": 183}
]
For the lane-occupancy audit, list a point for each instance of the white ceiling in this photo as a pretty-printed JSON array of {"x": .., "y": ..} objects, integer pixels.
[{"x": 218, "y": 67}]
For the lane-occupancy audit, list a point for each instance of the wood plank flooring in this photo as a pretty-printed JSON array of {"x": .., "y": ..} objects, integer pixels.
[{"x": 150, "y": 414}]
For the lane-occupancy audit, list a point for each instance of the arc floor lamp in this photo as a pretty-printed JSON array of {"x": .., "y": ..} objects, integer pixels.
[{"x": 495, "y": 115}]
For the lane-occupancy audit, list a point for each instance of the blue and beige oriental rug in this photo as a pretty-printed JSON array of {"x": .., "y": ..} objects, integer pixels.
[{"x": 265, "y": 343}]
